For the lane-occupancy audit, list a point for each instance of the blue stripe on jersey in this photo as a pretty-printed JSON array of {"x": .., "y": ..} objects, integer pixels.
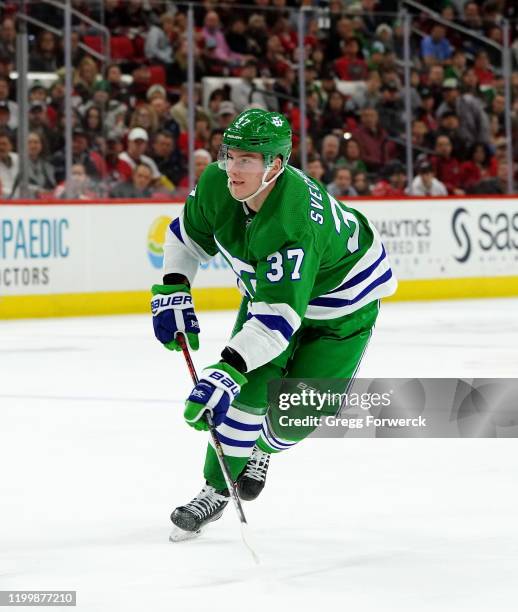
[
  {"x": 361, "y": 276},
  {"x": 242, "y": 426},
  {"x": 268, "y": 431},
  {"x": 175, "y": 228},
  {"x": 338, "y": 303},
  {"x": 231, "y": 442},
  {"x": 275, "y": 323}
]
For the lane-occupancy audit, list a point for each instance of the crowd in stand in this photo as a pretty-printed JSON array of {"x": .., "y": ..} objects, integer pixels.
[{"x": 130, "y": 135}]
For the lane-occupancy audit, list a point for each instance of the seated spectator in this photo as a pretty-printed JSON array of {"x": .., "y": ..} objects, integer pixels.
[
  {"x": 226, "y": 114},
  {"x": 295, "y": 157},
  {"x": 40, "y": 172},
  {"x": 376, "y": 149},
  {"x": 245, "y": 92},
  {"x": 38, "y": 93},
  {"x": 257, "y": 34},
  {"x": 312, "y": 118},
  {"x": 138, "y": 140},
  {"x": 457, "y": 67},
  {"x": 93, "y": 122},
  {"x": 425, "y": 184},
  {"x": 168, "y": 159},
  {"x": 118, "y": 89},
  {"x": 436, "y": 48},
  {"x": 361, "y": 184},
  {"x": 314, "y": 167},
  {"x": 434, "y": 82},
  {"x": 285, "y": 86},
  {"x": 8, "y": 39},
  {"x": 214, "y": 40},
  {"x": 421, "y": 137},
  {"x": 116, "y": 169},
  {"x": 334, "y": 116},
  {"x": 86, "y": 77},
  {"x": 79, "y": 188},
  {"x": 9, "y": 166},
  {"x": 500, "y": 147},
  {"x": 217, "y": 96},
  {"x": 274, "y": 55},
  {"x": 177, "y": 71},
  {"x": 45, "y": 55},
  {"x": 82, "y": 153},
  {"x": 5, "y": 84},
  {"x": 483, "y": 69},
  {"x": 446, "y": 167},
  {"x": 497, "y": 110},
  {"x": 342, "y": 184},
  {"x": 133, "y": 14},
  {"x": 140, "y": 185},
  {"x": 352, "y": 157},
  {"x": 237, "y": 40},
  {"x": 144, "y": 117},
  {"x": 474, "y": 122},
  {"x": 112, "y": 110},
  {"x": 351, "y": 66},
  {"x": 159, "y": 40},
  {"x": 39, "y": 122},
  {"x": 329, "y": 156},
  {"x": 393, "y": 181},
  {"x": 449, "y": 126},
  {"x": 179, "y": 110},
  {"x": 472, "y": 20},
  {"x": 215, "y": 141},
  {"x": 390, "y": 110},
  {"x": 495, "y": 185},
  {"x": 481, "y": 165},
  {"x": 162, "y": 108},
  {"x": 201, "y": 136},
  {"x": 385, "y": 36},
  {"x": 5, "y": 116},
  {"x": 202, "y": 159},
  {"x": 469, "y": 82}
]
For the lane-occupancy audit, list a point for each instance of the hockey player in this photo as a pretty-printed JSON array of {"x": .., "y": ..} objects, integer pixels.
[{"x": 312, "y": 272}]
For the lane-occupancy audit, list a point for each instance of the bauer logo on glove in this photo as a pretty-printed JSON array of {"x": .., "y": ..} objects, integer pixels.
[
  {"x": 173, "y": 312},
  {"x": 218, "y": 387}
]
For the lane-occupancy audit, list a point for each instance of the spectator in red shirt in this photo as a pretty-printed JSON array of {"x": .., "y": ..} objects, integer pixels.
[
  {"x": 483, "y": 70},
  {"x": 351, "y": 66},
  {"x": 376, "y": 148},
  {"x": 394, "y": 182},
  {"x": 447, "y": 168},
  {"x": 481, "y": 165}
]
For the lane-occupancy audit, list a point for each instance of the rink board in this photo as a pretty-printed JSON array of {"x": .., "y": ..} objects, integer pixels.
[{"x": 75, "y": 259}]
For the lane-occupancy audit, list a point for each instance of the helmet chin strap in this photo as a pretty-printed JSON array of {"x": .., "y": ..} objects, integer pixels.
[{"x": 264, "y": 184}]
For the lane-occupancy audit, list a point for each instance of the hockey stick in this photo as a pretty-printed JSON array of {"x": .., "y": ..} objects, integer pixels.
[{"x": 231, "y": 485}]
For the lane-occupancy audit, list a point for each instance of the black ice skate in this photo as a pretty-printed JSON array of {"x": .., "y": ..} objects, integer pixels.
[
  {"x": 189, "y": 520},
  {"x": 252, "y": 479}
]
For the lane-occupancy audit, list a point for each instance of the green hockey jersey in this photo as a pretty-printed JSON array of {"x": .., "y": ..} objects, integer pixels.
[{"x": 303, "y": 255}]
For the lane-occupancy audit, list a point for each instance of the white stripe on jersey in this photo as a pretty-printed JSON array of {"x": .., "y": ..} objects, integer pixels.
[{"x": 378, "y": 282}]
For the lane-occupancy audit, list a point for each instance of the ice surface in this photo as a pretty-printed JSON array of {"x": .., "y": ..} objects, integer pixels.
[{"x": 94, "y": 455}]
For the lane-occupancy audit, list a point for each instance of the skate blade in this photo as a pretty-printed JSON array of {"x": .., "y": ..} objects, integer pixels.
[{"x": 181, "y": 535}]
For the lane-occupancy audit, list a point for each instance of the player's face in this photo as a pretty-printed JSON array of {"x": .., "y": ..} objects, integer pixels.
[{"x": 245, "y": 171}]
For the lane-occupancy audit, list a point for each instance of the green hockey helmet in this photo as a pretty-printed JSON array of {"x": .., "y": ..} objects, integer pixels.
[{"x": 258, "y": 131}]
